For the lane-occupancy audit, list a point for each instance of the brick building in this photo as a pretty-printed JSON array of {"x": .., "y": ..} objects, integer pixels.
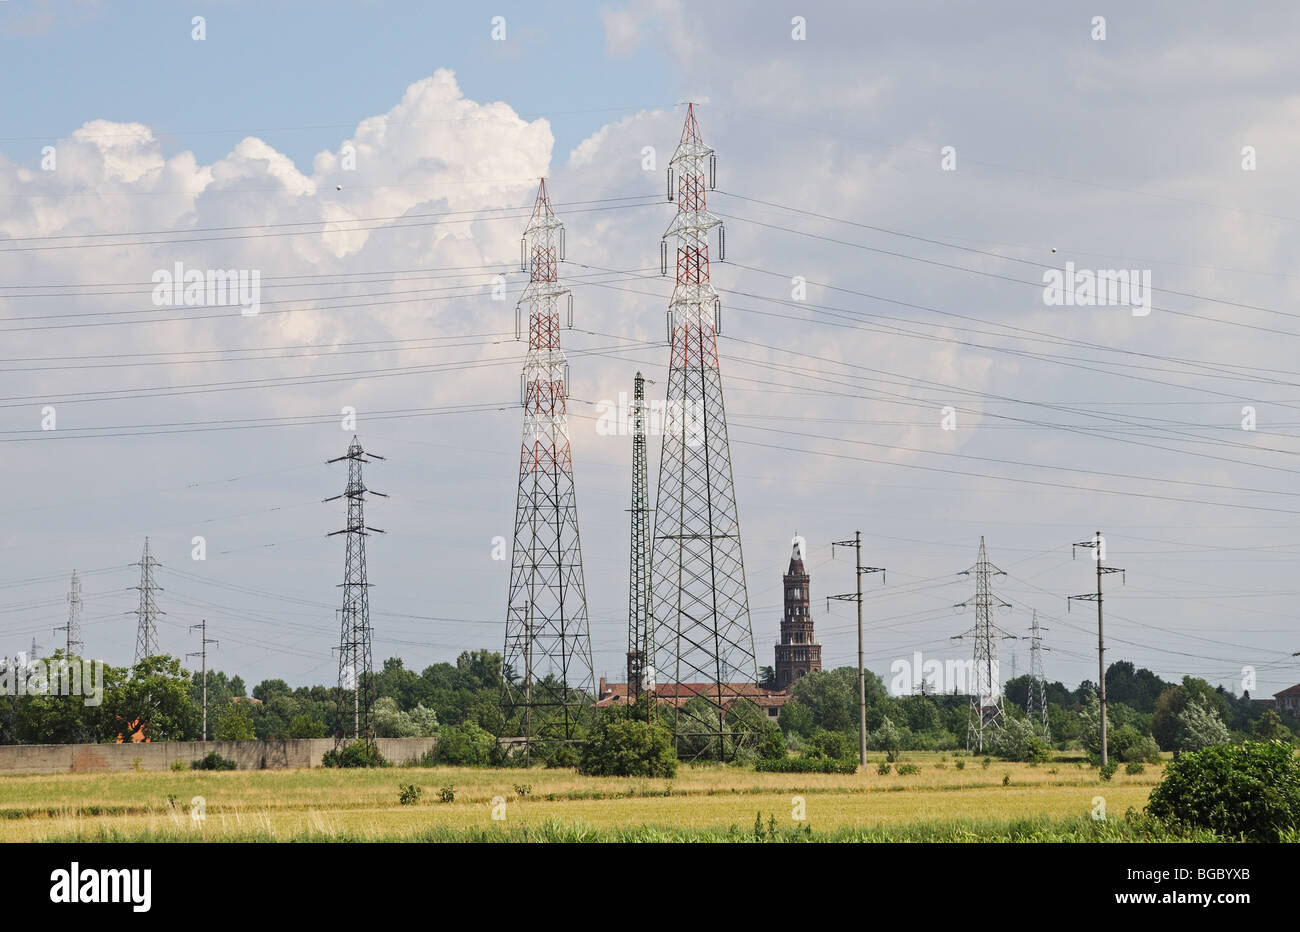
[{"x": 797, "y": 654}]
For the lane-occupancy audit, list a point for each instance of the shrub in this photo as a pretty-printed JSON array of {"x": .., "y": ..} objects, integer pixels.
[
  {"x": 907, "y": 769},
  {"x": 447, "y": 794},
  {"x": 829, "y": 744},
  {"x": 1134, "y": 767},
  {"x": 1109, "y": 770},
  {"x": 561, "y": 755},
  {"x": 883, "y": 768},
  {"x": 467, "y": 745},
  {"x": 178, "y": 765},
  {"x": 523, "y": 789},
  {"x": 960, "y": 765},
  {"x": 1019, "y": 741},
  {"x": 410, "y": 793},
  {"x": 214, "y": 761},
  {"x": 628, "y": 748},
  {"x": 1006, "y": 779},
  {"x": 807, "y": 765},
  {"x": 985, "y": 762},
  {"x": 356, "y": 754},
  {"x": 1250, "y": 791}
]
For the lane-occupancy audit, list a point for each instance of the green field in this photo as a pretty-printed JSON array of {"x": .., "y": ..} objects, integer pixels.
[{"x": 1004, "y": 801}]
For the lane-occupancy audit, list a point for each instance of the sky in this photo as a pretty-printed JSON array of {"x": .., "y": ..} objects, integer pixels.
[{"x": 918, "y": 166}]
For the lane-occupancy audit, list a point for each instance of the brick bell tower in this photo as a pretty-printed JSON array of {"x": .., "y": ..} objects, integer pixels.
[{"x": 797, "y": 653}]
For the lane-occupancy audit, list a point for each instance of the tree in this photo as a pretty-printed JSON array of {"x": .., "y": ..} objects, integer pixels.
[
  {"x": 268, "y": 688},
  {"x": 886, "y": 738},
  {"x": 1020, "y": 741},
  {"x": 235, "y": 723},
  {"x": 766, "y": 678},
  {"x": 304, "y": 726},
  {"x": 796, "y": 718},
  {"x": 1270, "y": 727},
  {"x": 155, "y": 698},
  {"x": 1199, "y": 726}
]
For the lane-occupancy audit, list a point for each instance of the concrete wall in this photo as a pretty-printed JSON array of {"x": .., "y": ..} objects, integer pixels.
[{"x": 249, "y": 755}]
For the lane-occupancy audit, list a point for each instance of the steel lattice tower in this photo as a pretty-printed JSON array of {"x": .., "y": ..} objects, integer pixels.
[
  {"x": 703, "y": 638},
  {"x": 146, "y": 632},
  {"x": 1038, "y": 688},
  {"x": 640, "y": 595},
  {"x": 73, "y": 643},
  {"x": 986, "y": 713},
  {"x": 547, "y": 660},
  {"x": 356, "y": 672}
]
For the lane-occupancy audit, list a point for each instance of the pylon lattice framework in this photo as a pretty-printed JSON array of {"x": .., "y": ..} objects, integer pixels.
[
  {"x": 73, "y": 643},
  {"x": 703, "y": 638},
  {"x": 986, "y": 709},
  {"x": 548, "y": 678},
  {"x": 640, "y": 595},
  {"x": 146, "y": 632},
  {"x": 1038, "y": 688},
  {"x": 356, "y": 689}
]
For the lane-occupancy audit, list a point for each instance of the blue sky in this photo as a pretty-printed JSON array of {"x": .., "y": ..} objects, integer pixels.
[{"x": 299, "y": 74}]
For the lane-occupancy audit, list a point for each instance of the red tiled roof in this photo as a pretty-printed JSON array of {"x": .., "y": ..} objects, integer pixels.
[{"x": 1289, "y": 691}]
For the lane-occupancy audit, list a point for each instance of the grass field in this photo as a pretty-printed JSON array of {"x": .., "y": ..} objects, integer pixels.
[{"x": 1001, "y": 802}]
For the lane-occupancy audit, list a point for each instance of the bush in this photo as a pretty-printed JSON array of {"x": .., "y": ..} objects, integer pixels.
[
  {"x": 214, "y": 761},
  {"x": 447, "y": 794},
  {"x": 1109, "y": 770},
  {"x": 410, "y": 793},
  {"x": 1250, "y": 791},
  {"x": 1019, "y": 741},
  {"x": 883, "y": 768},
  {"x": 628, "y": 748},
  {"x": 179, "y": 765},
  {"x": 907, "y": 769},
  {"x": 830, "y": 744},
  {"x": 960, "y": 765},
  {"x": 467, "y": 745},
  {"x": 807, "y": 765},
  {"x": 356, "y": 754},
  {"x": 1134, "y": 767}
]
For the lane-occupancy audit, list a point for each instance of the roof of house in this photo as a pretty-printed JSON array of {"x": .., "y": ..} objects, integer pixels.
[{"x": 1289, "y": 691}]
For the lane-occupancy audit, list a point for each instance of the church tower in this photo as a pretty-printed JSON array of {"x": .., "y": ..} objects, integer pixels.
[{"x": 797, "y": 653}]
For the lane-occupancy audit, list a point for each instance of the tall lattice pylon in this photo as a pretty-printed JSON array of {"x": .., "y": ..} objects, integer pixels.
[
  {"x": 73, "y": 643},
  {"x": 986, "y": 710},
  {"x": 1037, "y": 705},
  {"x": 703, "y": 638},
  {"x": 640, "y": 592},
  {"x": 547, "y": 660},
  {"x": 146, "y": 631},
  {"x": 356, "y": 690}
]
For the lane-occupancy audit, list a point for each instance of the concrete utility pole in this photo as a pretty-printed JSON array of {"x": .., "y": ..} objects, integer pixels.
[
  {"x": 202, "y": 652},
  {"x": 856, "y": 544},
  {"x": 1098, "y": 547}
]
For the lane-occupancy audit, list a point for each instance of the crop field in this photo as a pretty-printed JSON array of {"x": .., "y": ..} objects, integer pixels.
[{"x": 1000, "y": 802}]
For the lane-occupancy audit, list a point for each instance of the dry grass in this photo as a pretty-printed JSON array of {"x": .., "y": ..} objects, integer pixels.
[{"x": 284, "y": 805}]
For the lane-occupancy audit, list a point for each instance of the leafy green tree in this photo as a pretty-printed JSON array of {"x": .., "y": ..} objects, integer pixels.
[
  {"x": 268, "y": 688},
  {"x": 464, "y": 745},
  {"x": 1199, "y": 726},
  {"x": 887, "y": 738},
  {"x": 305, "y": 726},
  {"x": 155, "y": 697},
  {"x": 766, "y": 678},
  {"x": 1020, "y": 741},
  {"x": 1270, "y": 727},
  {"x": 235, "y": 723},
  {"x": 796, "y": 718}
]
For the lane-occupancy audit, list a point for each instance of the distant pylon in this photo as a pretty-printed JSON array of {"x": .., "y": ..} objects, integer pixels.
[
  {"x": 703, "y": 638},
  {"x": 986, "y": 711},
  {"x": 356, "y": 690},
  {"x": 548, "y": 678},
  {"x": 73, "y": 643},
  {"x": 640, "y": 595},
  {"x": 1038, "y": 688},
  {"x": 146, "y": 632}
]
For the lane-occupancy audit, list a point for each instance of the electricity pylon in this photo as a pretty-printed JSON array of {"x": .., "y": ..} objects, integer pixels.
[
  {"x": 73, "y": 643},
  {"x": 356, "y": 690},
  {"x": 703, "y": 638},
  {"x": 146, "y": 632},
  {"x": 640, "y": 593},
  {"x": 548, "y": 677},
  {"x": 986, "y": 710},
  {"x": 1037, "y": 701},
  {"x": 1098, "y": 547}
]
